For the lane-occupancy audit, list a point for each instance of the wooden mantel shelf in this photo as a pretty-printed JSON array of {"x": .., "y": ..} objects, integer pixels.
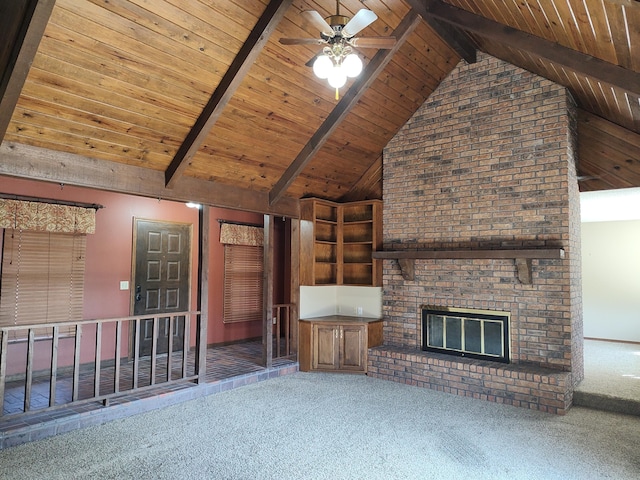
[{"x": 406, "y": 258}]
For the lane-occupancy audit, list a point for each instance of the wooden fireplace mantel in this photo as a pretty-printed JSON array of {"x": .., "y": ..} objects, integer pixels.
[{"x": 406, "y": 258}]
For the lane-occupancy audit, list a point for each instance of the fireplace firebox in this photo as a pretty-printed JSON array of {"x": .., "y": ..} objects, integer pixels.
[{"x": 481, "y": 334}]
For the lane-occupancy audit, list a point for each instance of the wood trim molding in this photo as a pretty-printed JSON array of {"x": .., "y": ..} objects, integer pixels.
[
  {"x": 406, "y": 258},
  {"x": 17, "y": 160}
]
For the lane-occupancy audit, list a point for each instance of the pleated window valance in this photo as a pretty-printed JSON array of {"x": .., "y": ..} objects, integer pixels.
[
  {"x": 232, "y": 234},
  {"x": 46, "y": 217}
]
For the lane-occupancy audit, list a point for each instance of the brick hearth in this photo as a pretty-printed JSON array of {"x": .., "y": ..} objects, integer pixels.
[
  {"x": 486, "y": 163},
  {"x": 527, "y": 386}
]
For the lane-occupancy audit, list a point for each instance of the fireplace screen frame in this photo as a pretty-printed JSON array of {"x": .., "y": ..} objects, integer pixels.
[{"x": 454, "y": 316}]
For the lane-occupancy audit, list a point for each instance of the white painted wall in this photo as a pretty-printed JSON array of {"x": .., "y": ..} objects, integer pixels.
[
  {"x": 320, "y": 301},
  {"x": 611, "y": 280}
]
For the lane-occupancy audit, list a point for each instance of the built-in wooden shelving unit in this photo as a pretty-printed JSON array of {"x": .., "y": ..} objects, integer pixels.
[
  {"x": 406, "y": 258},
  {"x": 337, "y": 240}
]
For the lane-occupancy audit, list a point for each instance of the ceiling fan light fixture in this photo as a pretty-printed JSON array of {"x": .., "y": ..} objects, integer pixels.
[
  {"x": 337, "y": 77},
  {"x": 322, "y": 66},
  {"x": 352, "y": 65},
  {"x": 337, "y": 62}
]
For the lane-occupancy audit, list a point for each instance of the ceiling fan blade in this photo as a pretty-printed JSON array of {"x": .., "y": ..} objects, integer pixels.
[
  {"x": 312, "y": 60},
  {"x": 360, "y": 20},
  {"x": 373, "y": 42},
  {"x": 302, "y": 41},
  {"x": 320, "y": 23}
]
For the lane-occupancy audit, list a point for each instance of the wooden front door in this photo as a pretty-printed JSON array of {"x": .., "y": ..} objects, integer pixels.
[{"x": 162, "y": 273}]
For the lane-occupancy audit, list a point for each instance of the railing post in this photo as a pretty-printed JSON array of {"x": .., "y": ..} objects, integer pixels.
[
  {"x": 267, "y": 295},
  {"x": 204, "y": 221}
]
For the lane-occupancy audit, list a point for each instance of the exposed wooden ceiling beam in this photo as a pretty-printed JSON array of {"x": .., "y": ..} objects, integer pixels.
[
  {"x": 22, "y": 23},
  {"x": 606, "y": 72},
  {"x": 34, "y": 163},
  {"x": 231, "y": 80},
  {"x": 455, "y": 38},
  {"x": 342, "y": 109}
]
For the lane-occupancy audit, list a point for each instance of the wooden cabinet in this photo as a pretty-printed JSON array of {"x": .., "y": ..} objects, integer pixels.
[
  {"x": 337, "y": 343},
  {"x": 337, "y": 241}
]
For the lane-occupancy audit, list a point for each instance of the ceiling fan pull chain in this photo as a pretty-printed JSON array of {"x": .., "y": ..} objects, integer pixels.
[{"x": 337, "y": 94}]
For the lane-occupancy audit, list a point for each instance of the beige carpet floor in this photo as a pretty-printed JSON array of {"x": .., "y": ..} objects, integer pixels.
[
  {"x": 612, "y": 377},
  {"x": 612, "y": 368},
  {"x": 328, "y": 426}
]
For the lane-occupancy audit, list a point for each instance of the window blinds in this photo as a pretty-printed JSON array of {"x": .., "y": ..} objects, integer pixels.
[
  {"x": 243, "y": 267},
  {"x": 42, "y": 278}
]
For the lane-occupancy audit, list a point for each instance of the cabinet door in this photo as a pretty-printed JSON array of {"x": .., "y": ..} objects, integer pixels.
[
  {"x": 325, "y": 347},
  {"x": 352, "y": 347}
]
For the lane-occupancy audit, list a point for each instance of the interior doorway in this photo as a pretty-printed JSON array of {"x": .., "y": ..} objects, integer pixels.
[{"x": 162, "y": 276}]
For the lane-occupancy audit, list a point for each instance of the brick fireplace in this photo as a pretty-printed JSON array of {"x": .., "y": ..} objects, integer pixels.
[{"x": 487, "y": 163}]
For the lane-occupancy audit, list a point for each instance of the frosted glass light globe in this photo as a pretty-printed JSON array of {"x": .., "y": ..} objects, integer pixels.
[
  {"x": 322, "y": 66},
  {"x": 337, "y": 77},
  {"x": 352, "y": 65}
]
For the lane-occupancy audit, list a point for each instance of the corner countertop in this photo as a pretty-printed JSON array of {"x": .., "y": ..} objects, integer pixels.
[{"x": 341, "y": 319}]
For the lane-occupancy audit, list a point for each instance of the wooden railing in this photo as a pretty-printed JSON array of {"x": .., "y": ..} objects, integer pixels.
[
  {"x": 282, "y": 316},
  {"x": 101, "y": 356}
]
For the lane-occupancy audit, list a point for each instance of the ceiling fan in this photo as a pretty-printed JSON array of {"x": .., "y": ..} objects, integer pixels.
[{"x": 338, "y": 33}]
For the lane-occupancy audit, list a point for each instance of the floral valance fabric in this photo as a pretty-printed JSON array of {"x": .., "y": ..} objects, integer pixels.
[
  {"x": 232, "y": 234},
  {"x": 46, "y": 217}
]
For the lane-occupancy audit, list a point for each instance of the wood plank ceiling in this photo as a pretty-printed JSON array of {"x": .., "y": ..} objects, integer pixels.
[{"x": 194, "y": 99}]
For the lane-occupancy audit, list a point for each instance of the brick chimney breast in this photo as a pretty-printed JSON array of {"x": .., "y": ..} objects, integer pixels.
[{"x": 488, "y": 162}]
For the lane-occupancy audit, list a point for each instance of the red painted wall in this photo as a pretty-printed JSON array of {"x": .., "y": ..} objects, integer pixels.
[{"x": 109, "y": 250}]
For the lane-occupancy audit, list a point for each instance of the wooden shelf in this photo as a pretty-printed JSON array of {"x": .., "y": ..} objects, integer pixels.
[
  {"x": 406, "y": 258},
  {"x": 344, "y": 234}
]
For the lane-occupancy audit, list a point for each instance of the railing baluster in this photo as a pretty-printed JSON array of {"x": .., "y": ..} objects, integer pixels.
[
  {"x": 278, "y": 319},
  {"x": 3, "y": 366},
  {"x": 136, "y": 354},
  {"x": 170, "y": 347},
  {"x": 154, "y": 351},
  {"x": 185, "y": 344},
  {"x": 98, "y": 360},
  {"x": 287, "y": 330},
  {"x": 29, "y": 374},
  {"x": 116, "y": 373},
  {"x": 54, "y": 366},
  {"x": 76, "y": 363},
  {"x": 283, "y": 320}
]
